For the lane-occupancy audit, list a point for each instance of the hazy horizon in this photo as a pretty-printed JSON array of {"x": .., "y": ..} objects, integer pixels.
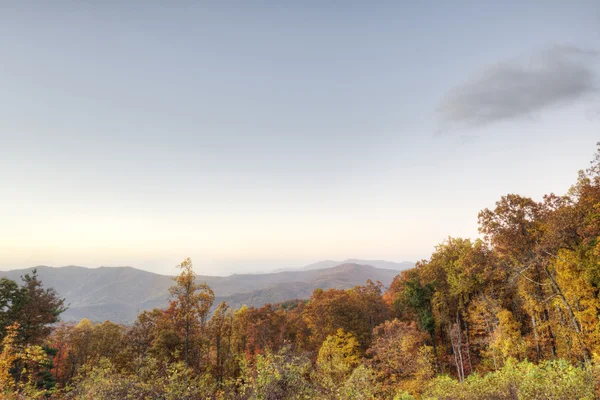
[
  {"x": 251, "y": 136},
  {"x": 261, "y": 269}
]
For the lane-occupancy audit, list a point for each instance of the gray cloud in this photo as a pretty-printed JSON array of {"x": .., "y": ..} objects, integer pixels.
[{"x": 519, "y": 88}]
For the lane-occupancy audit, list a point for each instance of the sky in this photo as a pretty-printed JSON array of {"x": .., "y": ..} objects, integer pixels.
[{"x": 253, "y": 136}]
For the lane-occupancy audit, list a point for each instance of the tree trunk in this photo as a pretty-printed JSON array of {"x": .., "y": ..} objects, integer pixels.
[
  {"x": 571, "y": 313},
  {"x": 455, "y": 355},
  {"x": 550, "y": 333},
  {"x": 536, "y": 336},
  {"x": 435, "y": 354},
  {"x": 456, "y": 349},
  {"x": 460, "y": 345},
  {"x": 187, "y": 340},
  {"x": 468, "y": 343},
  {"x": 219, "y": 371}
]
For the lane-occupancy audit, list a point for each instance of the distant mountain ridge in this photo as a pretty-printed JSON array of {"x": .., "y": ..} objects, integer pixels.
[
  {"x": 120, "y": 293},
  {"x": 382, "y": 264}
]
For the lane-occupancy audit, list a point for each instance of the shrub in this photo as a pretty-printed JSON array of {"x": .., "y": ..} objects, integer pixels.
[{"x": 549, "y": 380}]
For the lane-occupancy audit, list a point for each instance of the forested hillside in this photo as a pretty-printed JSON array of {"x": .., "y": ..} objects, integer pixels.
[{"x": 512, "y": 315}]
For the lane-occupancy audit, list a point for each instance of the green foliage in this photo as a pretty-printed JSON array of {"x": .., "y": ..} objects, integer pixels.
[
  {"x": 549, "y": 380},
  {"x": 155, "y": 380},
  {"x": 403, "y": 395},
  {"x": 31, "y": 306},
  {"x": 281, "y": 376},
  {"x": 361, "y": 385},
  {"x": 418, "y": 298}
]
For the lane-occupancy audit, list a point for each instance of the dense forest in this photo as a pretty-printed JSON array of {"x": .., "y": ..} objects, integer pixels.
[{"x": 513, "y": 315}]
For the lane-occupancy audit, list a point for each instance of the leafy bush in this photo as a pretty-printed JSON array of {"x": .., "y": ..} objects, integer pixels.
[
  {"x": 154, "y": 381},
  {"x": 362, "y": 384},
  {"x": 281, "y": 376},
  {"x": 549, "y": 380}
]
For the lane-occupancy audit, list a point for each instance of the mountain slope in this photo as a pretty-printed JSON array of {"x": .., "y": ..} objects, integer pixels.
[
  {"x": 303, "y": 284},
  {"x": 120, "y": 293},
  {"x": 374, "y": 263}
]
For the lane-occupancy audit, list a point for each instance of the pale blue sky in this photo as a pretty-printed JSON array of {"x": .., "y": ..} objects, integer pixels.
[{"x": 260, "y": 135}]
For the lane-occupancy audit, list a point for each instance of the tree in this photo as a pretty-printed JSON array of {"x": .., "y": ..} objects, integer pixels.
[
  {"x": 41, "y": 308},
  {"x": 507, "y": 337},
  {"x": 220, "y": 330},
  {"x": 361, "y": 385},
  {"x": 515, "y": 228},
  {"x": 357, "y": 310},
  {"x": 31, "y": 306},
  {"x": 264, "y": 329},
  {"x": 338, "y": 356},
  {"x": 190, "y": 302},
  {"x": 8, "y": 356},
  {"x": 24, "y": 369},
  {"x": 281, "y": 376},
  {"x": 399, "y": 356},
  {"x": 413, "y": 300}
]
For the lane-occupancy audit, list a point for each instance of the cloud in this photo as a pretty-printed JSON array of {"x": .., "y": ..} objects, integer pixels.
[{"x": 519, "y": 88}]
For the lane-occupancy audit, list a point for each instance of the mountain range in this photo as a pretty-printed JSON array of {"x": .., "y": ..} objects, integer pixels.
[
  {"x": 382, "y": 264},
  {"x": 120, "y": 293}
]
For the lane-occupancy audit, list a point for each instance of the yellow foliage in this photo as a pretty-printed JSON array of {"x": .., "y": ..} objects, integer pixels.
[
  {"x": 31, "y": 357},
  {"x": 338, "y": 356},
  {"x": 507, "y": 338},
  {"x": 8, "y": 356}
]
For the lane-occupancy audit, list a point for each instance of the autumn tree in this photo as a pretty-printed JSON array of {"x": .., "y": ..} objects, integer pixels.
[
  {"x": 515, "y": 228},
  {"x": 220, "y": 329},
  {"x": 190, "y": 302},
  {"x": 357, "y": 310},
  {"x": 24, "y": 368},
  {"x": 338, "y": 356},
  {"x": 399, "y": 356},
  {"x": 506, "y": 338},
  {"x": 60, "y": 340},
  {"x": 281, "y": 375},
  {"x": 8, "y": 356},
  {"x": 141, "y": 336}
]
